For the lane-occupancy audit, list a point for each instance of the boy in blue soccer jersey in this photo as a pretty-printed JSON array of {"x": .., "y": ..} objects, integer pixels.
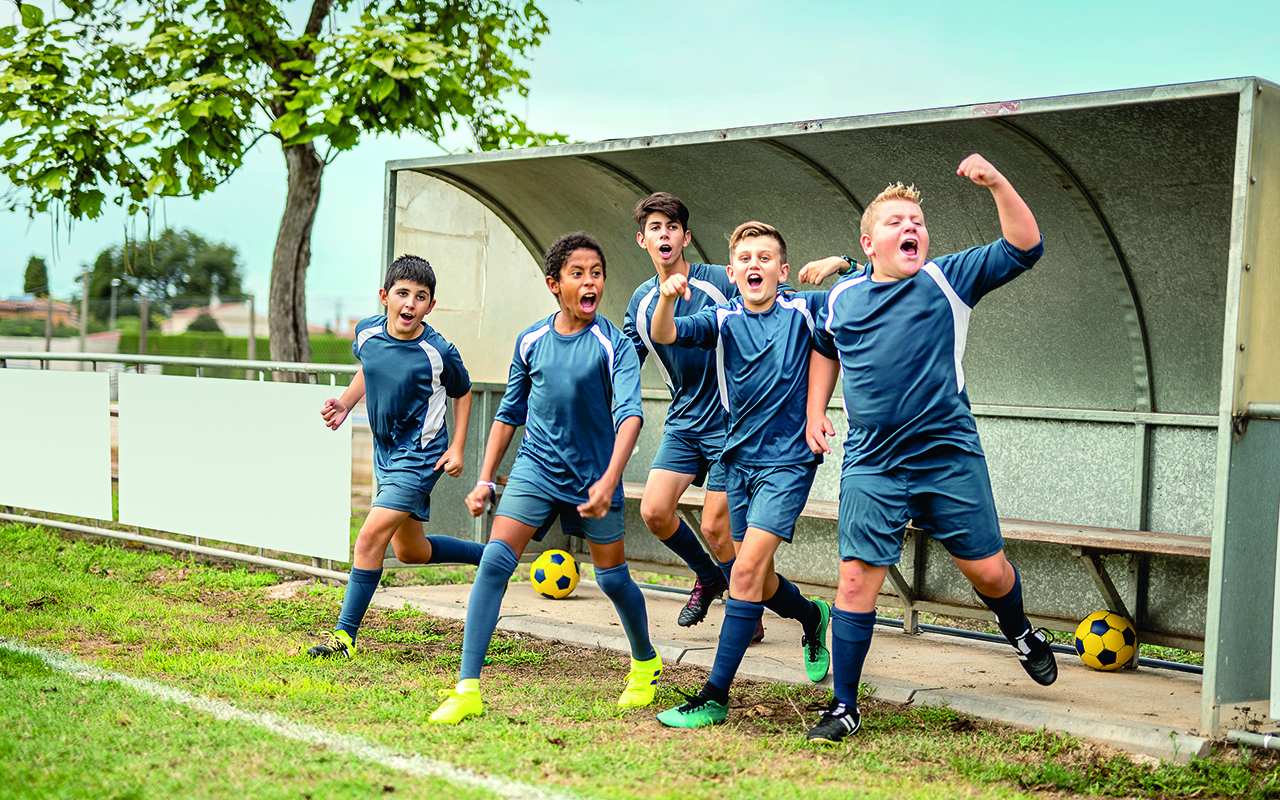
[
  {"x": 693, "y": 434},
  {"x": 575, "y": 387},
  {"x": 406, "y": 372},
  {"x": 764, "y": 340},
  {"x": 912, "y": 453}
]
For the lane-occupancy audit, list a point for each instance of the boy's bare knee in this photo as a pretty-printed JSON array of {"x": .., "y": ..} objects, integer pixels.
[{"x": 659, "y": 520}]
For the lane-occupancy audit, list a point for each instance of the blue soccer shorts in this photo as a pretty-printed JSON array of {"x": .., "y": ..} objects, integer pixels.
[
  {"x": 768, "y": 498},
  {"x": 527, "y": 504},
  {"x": 691, "y": 456},
  {"x": 944, "y": 492},
  {"x": 405, "y": 484}
]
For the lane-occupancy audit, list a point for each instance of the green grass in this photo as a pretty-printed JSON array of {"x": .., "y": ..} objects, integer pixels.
[{"x": 550, "y": 716}]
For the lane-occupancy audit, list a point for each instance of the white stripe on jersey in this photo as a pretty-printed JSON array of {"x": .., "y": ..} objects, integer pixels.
[
  {"x": 721, "y": 315},
  {"x": 608, "y": 348},
  {"x": 529, "y": 339},
  {"x": 799, "y": 306},
  {"x": 960, "y": 314},
  {"x": 710, "y": 288},
  {"x": 642, "y": 328},
  {"x": 835, "y": 292},
  {"x": 366, "y": 334},
  {"x": 433, "y": 420}
]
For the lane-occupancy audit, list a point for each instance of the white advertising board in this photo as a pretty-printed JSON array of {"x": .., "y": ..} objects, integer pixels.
[
  {"x": 249, "y": 462},
  {"x": 55, "y": 442}
]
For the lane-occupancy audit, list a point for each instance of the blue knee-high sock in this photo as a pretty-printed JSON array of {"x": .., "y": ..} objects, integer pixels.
[
  {"x": 850, "y": 641},
  {"x": 360, "y": 588},
  {"x": 727, "y": 568},
  {"x": 685, "y": 544},
  {"x": 740, "y": 618},
  {"x": 1010, "y": 614},
  {"x": 496, "y": 566},
  {"x": 789, "y": 603},
  {"x": 617, "y": 584},
  {"x": 448, "y": 550}
]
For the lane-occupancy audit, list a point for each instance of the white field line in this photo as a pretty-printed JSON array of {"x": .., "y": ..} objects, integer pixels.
[{"x": 412, "y": 764}]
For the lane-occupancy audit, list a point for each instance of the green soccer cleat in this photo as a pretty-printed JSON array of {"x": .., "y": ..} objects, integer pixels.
[
  {"x": 459, "y": 704},
  {"x": 817, "y": 658},
  {"x": 338, "y": 645},
  {"x": 696, "y": 713},
  {"x": 642, "y": 682}
]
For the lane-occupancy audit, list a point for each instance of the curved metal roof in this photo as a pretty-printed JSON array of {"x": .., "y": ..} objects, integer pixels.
[{"x": 1133, "y": 191}]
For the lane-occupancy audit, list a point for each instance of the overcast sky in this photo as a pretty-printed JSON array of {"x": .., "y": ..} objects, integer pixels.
[{"x": 612, "y": 69}]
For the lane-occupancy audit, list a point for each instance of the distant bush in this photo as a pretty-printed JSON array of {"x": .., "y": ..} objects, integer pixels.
[
  {"x": 324, "y": 350},
  {"x": 205, "y": 323},
  {"x": 34, "y": 326}
]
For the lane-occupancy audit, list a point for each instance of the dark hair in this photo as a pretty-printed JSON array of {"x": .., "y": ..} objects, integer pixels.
[
  {"x": 668, "y": 204},
  {"x": 563, "y": 247},
  {"x": 413, "y": 269}
]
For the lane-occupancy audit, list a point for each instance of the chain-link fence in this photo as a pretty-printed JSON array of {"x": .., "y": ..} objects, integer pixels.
[{"x": 192, "y": 327}]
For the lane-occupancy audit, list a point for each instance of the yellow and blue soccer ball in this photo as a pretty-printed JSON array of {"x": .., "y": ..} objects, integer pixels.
[
  {"x": 554, "y": 574},
  {"x": 1105, "y": 640}
]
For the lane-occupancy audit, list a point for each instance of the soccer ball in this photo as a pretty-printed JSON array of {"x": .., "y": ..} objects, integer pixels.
[
  {"x": 553, "y": 574},
  {"x": 1105, "y": 641}
]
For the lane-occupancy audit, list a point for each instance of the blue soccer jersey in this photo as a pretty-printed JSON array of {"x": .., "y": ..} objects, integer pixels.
[
  {"x": 405, "y": 383},
  {"x": 697, "y": 407},
  {"x": 762, "y": 363},
  {"x": 570, "y": 393},
  {"x": 900, "y": 346}
]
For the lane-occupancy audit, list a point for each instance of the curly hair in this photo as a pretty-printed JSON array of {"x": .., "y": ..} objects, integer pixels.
[{"x": 563, "y": 247}]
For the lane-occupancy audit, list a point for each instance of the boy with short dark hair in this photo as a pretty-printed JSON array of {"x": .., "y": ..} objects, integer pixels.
[
  {"x": 575, "y": 387},
  {"x": 764, "y": 339},
  {"x": 406, "y": 371},
  {"x": 693, "y": 433},
  {"x": 912, "y": 453}
]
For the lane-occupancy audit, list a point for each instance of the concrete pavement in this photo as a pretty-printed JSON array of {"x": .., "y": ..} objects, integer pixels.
[{"x": 1151, "y": 711}]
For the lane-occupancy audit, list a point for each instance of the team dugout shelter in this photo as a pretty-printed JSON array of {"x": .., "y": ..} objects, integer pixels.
[{"x": 1127, "y": 389}]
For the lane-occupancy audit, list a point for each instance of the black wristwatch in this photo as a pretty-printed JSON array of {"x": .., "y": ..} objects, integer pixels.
[{"x": 852, "y": 266}]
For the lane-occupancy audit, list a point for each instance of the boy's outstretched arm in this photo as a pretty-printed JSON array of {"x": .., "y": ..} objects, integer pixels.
[
  {"x": 663, "y": 327},
  {"x": 1017, "y": 223},
  {"x": 500, "y": 434},
  {"x": 335, "y": 409},
  {"x": 600, "y": 493},
  {"x": 823, "y": 372},
  {"x": 820, "y": 270},
  {"x": 451, "y": 461}
]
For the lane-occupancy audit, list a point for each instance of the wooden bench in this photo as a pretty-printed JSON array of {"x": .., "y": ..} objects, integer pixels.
[{"x": 1089, "y": 544}]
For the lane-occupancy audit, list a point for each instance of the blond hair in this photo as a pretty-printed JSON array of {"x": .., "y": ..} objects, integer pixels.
[
  {"x": 894, "y": 191},
  {"x": 751, "y": 229}
]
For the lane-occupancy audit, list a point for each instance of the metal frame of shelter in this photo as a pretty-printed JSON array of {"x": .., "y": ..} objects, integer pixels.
[{"x": 1130, "y": 381}]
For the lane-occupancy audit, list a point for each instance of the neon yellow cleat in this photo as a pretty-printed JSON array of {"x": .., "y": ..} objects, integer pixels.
[
  {"x": 459, "y": 703},
  {"x": 642, "y": 682},
  {"x": 338, "y": 645}
]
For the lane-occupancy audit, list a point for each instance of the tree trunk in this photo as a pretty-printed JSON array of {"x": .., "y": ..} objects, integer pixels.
[{"x": 288, "y": 307}]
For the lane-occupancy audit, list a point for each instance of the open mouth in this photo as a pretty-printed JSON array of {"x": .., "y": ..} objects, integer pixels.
[
  {"x": 406, "y": 317},
  {"x": 588, "y": 302},
  {"x": 910, "y": 247},
  {"x": 665, "y": 250},
  {"x": 755, "y": 281}
]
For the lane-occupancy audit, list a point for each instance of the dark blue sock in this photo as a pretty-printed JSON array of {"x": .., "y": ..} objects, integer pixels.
[
  {"x": 727, "y": 568},
  {"x": 360, "y": 589},
  {"x": 789, "y": 603},
  {"x": 496, "y": 567},
  {"x": 617, "y": 584},
  {"x": 740, "y": 618},
  {"x": 685, "y": 544},
  {"x": 1010, "y": 615},
  {"x": 448, "y": 550},
  {"x": 850, "y": 641}
]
